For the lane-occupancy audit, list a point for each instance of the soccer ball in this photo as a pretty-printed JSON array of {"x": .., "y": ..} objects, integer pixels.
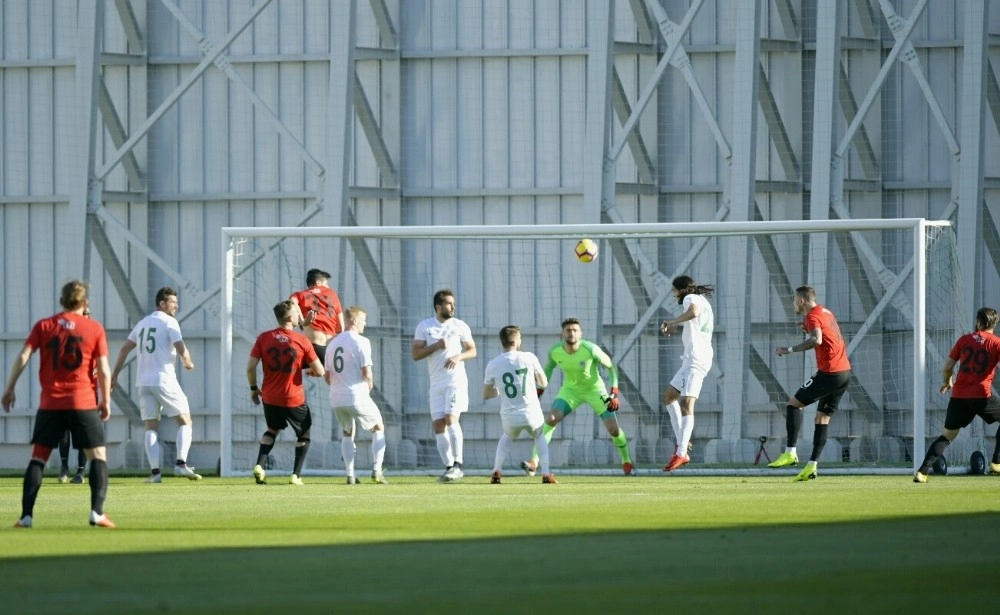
[{"x": 586, "y": 250}]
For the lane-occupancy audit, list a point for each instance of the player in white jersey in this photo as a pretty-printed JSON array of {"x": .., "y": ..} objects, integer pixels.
[
  {"x": 158, "y": 342},
  {"x": 517, "y": 377},
  {"x": 349, "y": 374},
  {"x": 446, "y": 342},
  {"x": 695, "y": 362}
]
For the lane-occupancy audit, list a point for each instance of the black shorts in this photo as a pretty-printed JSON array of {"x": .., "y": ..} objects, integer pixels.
[
  {"x": 86, "y": 427},
  {"x": 961, "y": 411},
  {"x": 320, "y": 352},
  {"x": 279, "y": 417},
  {"x": 827, "y": 388}
]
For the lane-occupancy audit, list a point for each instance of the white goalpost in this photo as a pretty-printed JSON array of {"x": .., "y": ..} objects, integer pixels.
[{"x": 894, "y": 285}]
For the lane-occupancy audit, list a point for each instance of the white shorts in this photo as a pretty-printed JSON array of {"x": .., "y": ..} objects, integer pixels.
[
  {"x": 449, "y": 399},
  {"x": 525, "y": 419},
  {"x": 689, "y": 378},
  {"x": 366, "y": 413},
  {"x": 170, "y": 400}
]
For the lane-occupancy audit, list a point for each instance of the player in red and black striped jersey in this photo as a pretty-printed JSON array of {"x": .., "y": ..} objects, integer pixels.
[
  {"x": 826, "y": 386},
  {"x": 976, "y": 354},
  {"x": 283, "y": 353},
  {"x": 323, "y": 314},
  {"x": 71, "y": 348}
]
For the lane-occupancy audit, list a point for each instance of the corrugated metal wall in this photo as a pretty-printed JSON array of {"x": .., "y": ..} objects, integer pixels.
[{"x": 482, "y": 107}]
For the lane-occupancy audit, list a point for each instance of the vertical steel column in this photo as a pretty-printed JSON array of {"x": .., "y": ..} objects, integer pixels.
[
  {"x": 972, "y": 107},
  {"x": 340, "y": 114},
  {"x": 824, "y": 163},
  {"x": 598, "y": 164},
  {"x": 736, "y": 318},
  {"x": 85, "y": 188}
]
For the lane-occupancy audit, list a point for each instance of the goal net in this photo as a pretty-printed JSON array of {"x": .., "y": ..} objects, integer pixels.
[{"x": 894, "y": 286}]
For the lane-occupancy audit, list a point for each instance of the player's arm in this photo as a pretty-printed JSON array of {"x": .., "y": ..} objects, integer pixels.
[
  {"x": 15, "y": 372},
  {"x": 490, "y": 391},
  {"x": 252, "y": 379},
  {"x": 468, "y": 350},
  {"x": 420, "y": 350},
  {"x": 612, "y": 400},
  {"x": 813, "y": 339},
  {"x": 550, "y": 366},
  {"x": 368, "y": 375},
  {"x": 947, "y": 371},
  {"x": 316, "y": 369},
  {"x": 184, "y": 354},
  {"x": 104, "y": 386},
  {"x": 127, "y": 347},
  {"x": 670, "y": 324}
]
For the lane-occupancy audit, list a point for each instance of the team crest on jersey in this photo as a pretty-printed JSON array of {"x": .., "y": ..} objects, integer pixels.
[
  {"x": 284, "y": 339},
  {"x": 67, "y": 324}
]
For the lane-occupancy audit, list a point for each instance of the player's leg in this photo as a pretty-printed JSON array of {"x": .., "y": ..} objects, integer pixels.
[
  {"x": 173, "y": 402},
  {"x": 564, "y": 404},
  {"x": 276, "y": 419},
  {"x": 301, "y": 421},
  {"x": 88, "y": 433},
  {"x": 438, "y": 408},
  {"x": 81, "y": 464},
  {"x": 458, "y": 402},
  {"x": 370, "y": 419},
  {"x": 793, "y": 423},
  {"x": 959, "y": 414},
  {"x": 991, "y": 414},
  {"x": 829, "y": 388},
  {"x": 503, "y": 445},
  {"x": 670, "y": 404},
  {"x": 50, "y": 425},
  {"x": 64, "y": 458},
  {"x": 149, "y": 411},
  {"x": 348, "y": 448}
]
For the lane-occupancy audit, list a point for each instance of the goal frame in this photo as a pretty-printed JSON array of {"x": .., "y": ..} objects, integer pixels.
[{"x": 918, "y": 227}]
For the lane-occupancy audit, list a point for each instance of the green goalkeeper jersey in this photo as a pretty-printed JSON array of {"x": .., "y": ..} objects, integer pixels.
[{"x": 580, "y": 368}]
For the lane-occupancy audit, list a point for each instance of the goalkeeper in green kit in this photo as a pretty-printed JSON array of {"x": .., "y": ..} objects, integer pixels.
[{"x": 582, "y": 384}]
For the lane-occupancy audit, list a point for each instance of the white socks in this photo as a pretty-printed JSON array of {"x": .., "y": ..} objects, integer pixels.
[
  {"x": 457, "y": 438},
  {"x": 378, "y": 450},
  {"x": 502, "y": 447},
  {"x": 687, "y": 428},
  {"x": 152, "y": 449},
  {"x": 183, "y": 441},
  {"x": 542, "y": 444},
  {"x": 674, "y": 410},
  {"x": 347, "y": 449},
  {"x": 444, "y": 448}
]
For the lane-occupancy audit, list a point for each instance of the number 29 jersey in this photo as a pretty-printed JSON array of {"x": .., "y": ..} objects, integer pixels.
[
  {"x": 283, "y": 355},
  {"x": 977, "y": 355}
]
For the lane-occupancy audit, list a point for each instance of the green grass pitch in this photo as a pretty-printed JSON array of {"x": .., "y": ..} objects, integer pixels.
[{"x": 838, "y": 544}]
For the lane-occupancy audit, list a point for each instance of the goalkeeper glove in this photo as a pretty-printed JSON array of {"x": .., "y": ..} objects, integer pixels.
[
  {"x": 612, "y": 400},
  {"x": 539, "y": 391}
]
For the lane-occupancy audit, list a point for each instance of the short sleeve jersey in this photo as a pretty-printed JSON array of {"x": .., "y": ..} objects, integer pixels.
[
  {"x": 697, "y": 333},
  {"x": 283, "y": 355},
  {"x": 454, "y": 332},
  {"x": 326, "y": 303},
  {"x": 69, "y": 346},
  {"x": 346, "y": 355},
  {"x": 513, "y": 374},
  {"x": 977, "y": 355},
  {"x": 831, "y": 355},
  {"x": 156, "y": 358},
  {"x": 580, "y": 369}
]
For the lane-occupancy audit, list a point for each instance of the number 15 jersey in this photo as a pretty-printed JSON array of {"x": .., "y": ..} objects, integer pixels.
[
  {"x": 283, "y": 355},
  {"x": 156, "y": 358}
]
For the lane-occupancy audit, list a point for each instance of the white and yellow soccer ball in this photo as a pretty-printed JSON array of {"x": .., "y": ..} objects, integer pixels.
[{"x": 586, "y": 250}]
